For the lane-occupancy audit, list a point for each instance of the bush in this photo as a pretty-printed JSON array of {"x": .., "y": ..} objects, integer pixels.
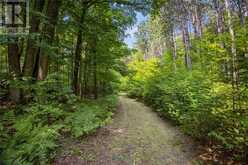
[
  {"x": 201, "y": 106},
  {"x": 140, "y": 73}
]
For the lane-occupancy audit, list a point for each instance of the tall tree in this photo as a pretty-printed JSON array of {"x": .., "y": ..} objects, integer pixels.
[
  {"x": 235, "y": 72},
  {"x": 14, "y": 55},
  {"x": 187, "y": 44},
  {"x": 32, "y": 48},
  {"x": 78, "y": 51},
  {"x": 52, "y": 14},
  {"x": 197, "y": 18}
]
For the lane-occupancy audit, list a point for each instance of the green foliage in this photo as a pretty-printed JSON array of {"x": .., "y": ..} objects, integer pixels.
[
  {"x": 48, "y": 76},
  {"x": 140, "y": 72},
  {"x": 30, "y": 144},
  {"x": 29, "y": 134},
  {"x": 201, "y": 106},
  {"x": 86, "y": 119},
  {"x": 90, "y": 115},
  {"x": 32, "y": 134}
]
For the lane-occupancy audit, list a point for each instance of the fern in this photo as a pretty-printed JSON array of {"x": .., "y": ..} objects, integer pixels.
[
  {"x": 31, "y": 144},
  {"x": 86, "y": 119},
  {"x": 32, "y": 131}
]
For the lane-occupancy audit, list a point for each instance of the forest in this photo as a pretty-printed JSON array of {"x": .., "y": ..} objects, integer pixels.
[{"x": 72, "y": 91}]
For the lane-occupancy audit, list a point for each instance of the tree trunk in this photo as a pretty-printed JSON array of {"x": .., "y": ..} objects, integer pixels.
[
  {"x": 80, "y": 84},
  {"x": 240, "y": 4},
  {"x": 186, "y": 42},
  {"x": 95, "y": 70},
  {"x": 77, "y": 58},
  {"x": 49, "y": 32},
  {"x": 32, "y": 49},
  {"x": 197, "y": 22},
  {"x": 246, "y": 8},
  {"x": 173, "y": 47},
  {"x": 85, "y": 75},
  {"x": 14, "y": 69},
  {"x": 219, "y": 10},
  {"x": 219, "y": 16},
  {"x": 235, "y": 74}
]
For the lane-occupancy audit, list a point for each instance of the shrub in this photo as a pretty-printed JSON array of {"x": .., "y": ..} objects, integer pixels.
[{"x": 198, "y": 102}]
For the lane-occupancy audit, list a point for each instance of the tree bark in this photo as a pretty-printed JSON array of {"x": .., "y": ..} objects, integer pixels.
[
  {"x": 85, "y": 83},
  {"x": 173, "y": 47},
  {"x": 49, "y": 32},
  {"x": 77, "y": 58},
  {"x": 219, "y": 11},
  {"x": 246, "y": 8},
  {"x": 242, "y": 10},
  {"x": 95, "y": 70},
  {"x": 197, "y": 22},
  {"x": 32, "y": 49},
  {"x": 186, "y": 42},
  {"x": 219, "y": 16},
  {"x": 14, "y": 69},
  {"x": 235, "y": 74}
]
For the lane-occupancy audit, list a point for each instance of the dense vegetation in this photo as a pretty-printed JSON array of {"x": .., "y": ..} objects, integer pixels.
[
  {"x": 60, "y": 77},
  {"x": 30, "y": 133},
  {"x": 191, "y": 65}
]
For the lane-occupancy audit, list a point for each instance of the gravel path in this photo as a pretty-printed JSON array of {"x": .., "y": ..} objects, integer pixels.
[{"x": 137, "y": 136}]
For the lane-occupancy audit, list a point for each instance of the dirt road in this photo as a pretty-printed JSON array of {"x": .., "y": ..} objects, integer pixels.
[{"x": 136, "y": 136}]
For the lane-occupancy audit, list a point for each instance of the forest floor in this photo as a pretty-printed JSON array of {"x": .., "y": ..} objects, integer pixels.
[{"x": 136, "y": 136}]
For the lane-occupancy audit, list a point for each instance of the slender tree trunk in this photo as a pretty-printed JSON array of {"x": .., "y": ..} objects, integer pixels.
[
  {"x": 243, "y": 10},
  {"x": 160, "y": 47},
  {"x": 219, "y": 10},
  {"x": 14, "y": 69},
  {"x": 32, "y": 49},
  {"x": 219, "y": 16},
  {"x": 246, "y": 7},
  {"x": 240, "y": 11},
  {"x": 197, "y": 23},
  {"x": 86, "y": 75},
  {"x": 81, "y": 75},
  {"x": 146, "y": 53},
  {"x": 186, "y": 42},
  {"x": 174, "y": 48},
  {"x": 95, "y": 71},
  {"x": 235, "y": 74},
  {"x": 77, "y": 58},
  {"x": 49, "y": 32},
  {"x": 80, "y": 81}
]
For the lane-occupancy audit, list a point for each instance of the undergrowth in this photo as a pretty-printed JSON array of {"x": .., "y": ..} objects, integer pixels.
[
  {"x": 29, "y": 133},
  {"x": 195, "y": 100}
]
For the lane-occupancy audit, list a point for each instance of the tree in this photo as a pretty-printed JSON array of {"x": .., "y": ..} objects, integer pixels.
[
  {"x": 14, "y": 54},
  {"x": 235, "y": 72},
  {"x": 48, "y": 37},
  {"x": 32, "y": 48}
]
